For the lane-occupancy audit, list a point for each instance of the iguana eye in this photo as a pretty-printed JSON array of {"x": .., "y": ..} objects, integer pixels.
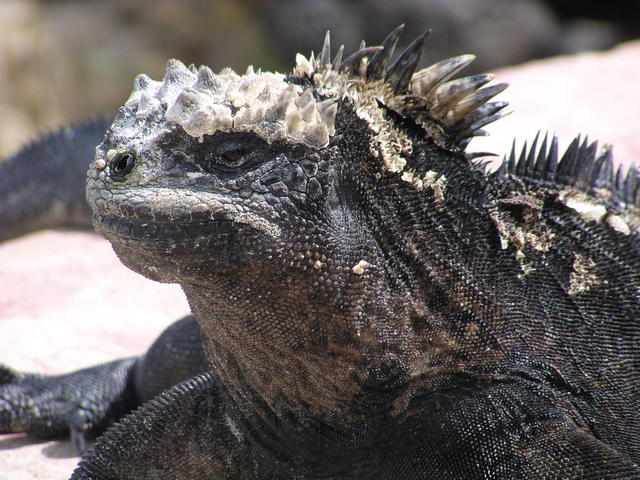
[
  {"x": 233, "y": 158},
  {"x": 122, "y": 164},
  {"x": 228, "y": 153}
]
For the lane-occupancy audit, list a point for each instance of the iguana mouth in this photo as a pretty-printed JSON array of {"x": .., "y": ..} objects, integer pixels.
[
  {"x": 144, "y": 220},
  {"x": 120, "y": 228},
  {"x": 158, "y": 211},
  {"x": 172, "y": 251}
]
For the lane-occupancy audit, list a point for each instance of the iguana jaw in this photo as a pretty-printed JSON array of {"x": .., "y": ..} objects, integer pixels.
[
  {"x": 161, "y": 251},
  {"x": 170, "y": 239}
]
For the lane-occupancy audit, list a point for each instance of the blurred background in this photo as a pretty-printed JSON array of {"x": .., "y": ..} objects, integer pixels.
[{"x": 65, "y": 60}]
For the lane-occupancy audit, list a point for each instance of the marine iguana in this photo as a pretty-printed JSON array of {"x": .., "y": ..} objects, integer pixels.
[{"x": 371, "y": 302}]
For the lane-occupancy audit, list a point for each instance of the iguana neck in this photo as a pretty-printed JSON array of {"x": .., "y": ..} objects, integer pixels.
[{"x": 312, "y": 353}]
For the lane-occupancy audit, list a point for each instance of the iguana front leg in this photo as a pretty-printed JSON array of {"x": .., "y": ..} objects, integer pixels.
[
  {"x": 79, "y": 404},
  {"x": 85, "y": 402},
  {"x": 192, "y": 431},
  {"x": 186, "y": 432}
]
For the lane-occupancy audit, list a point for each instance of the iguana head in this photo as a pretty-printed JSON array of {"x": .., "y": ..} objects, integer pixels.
[
  {"x": 228, "y": 163},
  {"x": 293, "y": 210}
]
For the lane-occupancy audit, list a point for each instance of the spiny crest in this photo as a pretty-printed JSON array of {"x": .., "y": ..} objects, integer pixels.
[
  {"x": 461, "y": 106},
  {"x": 582, "y": 166},
  {"x": 276, "y": 107}
]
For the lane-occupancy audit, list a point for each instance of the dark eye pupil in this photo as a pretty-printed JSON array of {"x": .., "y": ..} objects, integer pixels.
[
  {"x": 233, "y": 156},
  {"x": 122, "y": 164}
]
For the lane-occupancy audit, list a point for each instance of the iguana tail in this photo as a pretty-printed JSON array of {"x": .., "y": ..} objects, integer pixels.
[{"x": 43, "y": 185}]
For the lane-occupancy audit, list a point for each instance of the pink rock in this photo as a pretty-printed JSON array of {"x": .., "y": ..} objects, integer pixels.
[
  {"x": 66, "y": 302},
  {"x": 592, "y": 93}
]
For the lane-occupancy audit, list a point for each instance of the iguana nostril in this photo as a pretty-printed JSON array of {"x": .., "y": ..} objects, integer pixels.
[{"x": 122, "y": 164}]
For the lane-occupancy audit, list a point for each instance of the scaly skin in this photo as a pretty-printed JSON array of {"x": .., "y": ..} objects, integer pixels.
[{"x": 361, "y": 319}]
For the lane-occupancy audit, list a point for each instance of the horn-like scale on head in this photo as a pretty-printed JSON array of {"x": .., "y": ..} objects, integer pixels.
[
  {"x": 203, "y": 103},
  {"x": 277, "y": 107}
]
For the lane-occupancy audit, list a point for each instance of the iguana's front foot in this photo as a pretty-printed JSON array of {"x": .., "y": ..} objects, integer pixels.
[
  {"x": 186, "y": 432},
  {"x": 82, "y": 403}
]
